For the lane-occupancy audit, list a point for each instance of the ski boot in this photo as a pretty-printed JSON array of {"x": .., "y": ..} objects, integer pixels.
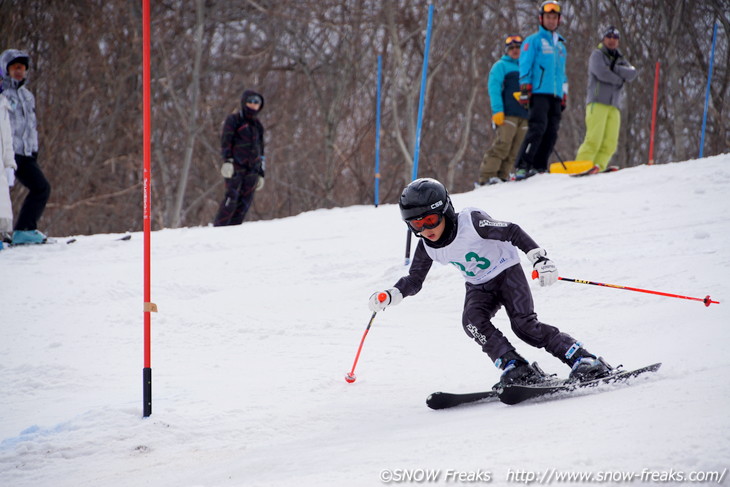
[
  {"x": 516, "y": 370},
  {"x": 585, "y": 366},
  {"x": 24, "y": 237}
]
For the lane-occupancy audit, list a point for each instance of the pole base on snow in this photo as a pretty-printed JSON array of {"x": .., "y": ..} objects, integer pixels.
[{"x": 146, "y": 391}]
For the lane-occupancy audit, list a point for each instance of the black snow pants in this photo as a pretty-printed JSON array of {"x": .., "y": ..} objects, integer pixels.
[
  {"x": 542, "y": 132},
  {"x": 239, "y": 196},
  {"x": 39, "y": 190},
  {"x": 511, "y": 290}
]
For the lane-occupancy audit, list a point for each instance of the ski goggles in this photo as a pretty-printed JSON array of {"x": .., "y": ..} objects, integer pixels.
[
  {"x": 254, "y": 99},
  {"x": 550, "y": 7},
  {"x": 427, "y": 222},
  {"x": 513, "y": 40}
]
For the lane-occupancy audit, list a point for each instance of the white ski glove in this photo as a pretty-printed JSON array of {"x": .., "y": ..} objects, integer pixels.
[
  {"x": 10, "y": 175},
  {"x": 260, "y": 184},
  {"x": 227, "y": 169},
  {"x": 382, "y": 299},
  {"x": 547, "y": 273}
]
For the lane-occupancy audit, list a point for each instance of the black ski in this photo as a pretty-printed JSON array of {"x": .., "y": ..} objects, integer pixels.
[
  {"x": 122, "y": 238},
  {"x": 514, "y": 394},
  {"x": 47, "y": 241},
  {"x": 443, "y": 400}
]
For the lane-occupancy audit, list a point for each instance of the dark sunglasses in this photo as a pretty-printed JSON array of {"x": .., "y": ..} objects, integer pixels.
[
  {"x": 425, "y": 223},
  {"x": 612, "y": 36},
  {"x": 254, "y": 99}
]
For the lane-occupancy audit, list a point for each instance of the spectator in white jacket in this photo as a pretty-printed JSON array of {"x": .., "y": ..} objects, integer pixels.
[
  {"x": 16, "y": 64},
  {"x": 7, "y": 174}
]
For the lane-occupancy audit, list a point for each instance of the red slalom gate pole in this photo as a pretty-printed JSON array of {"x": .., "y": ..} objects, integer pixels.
[
  {"x": 350, "y": 376},
  {"x": 147, "y": 210},
  {"x": 705, "y": 300}
]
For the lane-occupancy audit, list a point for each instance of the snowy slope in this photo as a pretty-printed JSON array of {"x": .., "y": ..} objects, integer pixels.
[{"x": 257, "y": 325}]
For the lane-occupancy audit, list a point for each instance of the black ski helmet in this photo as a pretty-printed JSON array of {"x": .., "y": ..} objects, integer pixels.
[{"x": 425, "y": 196}]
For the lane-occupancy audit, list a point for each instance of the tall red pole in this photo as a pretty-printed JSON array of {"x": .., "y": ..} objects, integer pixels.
[
  {"x": 653, "y": 115},
  {"x": 147, "y": 155}
]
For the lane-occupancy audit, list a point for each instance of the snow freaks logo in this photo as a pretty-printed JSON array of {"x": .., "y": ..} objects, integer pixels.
[{"x": 423, "y": 475}]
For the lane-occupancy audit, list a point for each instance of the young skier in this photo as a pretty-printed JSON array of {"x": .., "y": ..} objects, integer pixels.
[{"x": 485, "y": 251}]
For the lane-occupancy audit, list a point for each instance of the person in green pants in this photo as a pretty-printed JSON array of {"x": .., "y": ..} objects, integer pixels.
[{"x": 608, "y": 70}]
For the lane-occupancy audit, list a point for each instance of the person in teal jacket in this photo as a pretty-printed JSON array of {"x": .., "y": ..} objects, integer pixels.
[
  {"x": 608, "y": 70},
  {"x": 508, "y": 117},
  {"x": 544, "y": 89}
]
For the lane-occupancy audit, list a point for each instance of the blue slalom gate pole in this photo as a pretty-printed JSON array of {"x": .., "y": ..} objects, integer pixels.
[
  {"x": 422, "y": 96},
  {"x": 377, "y": 133},
  {"x": 707, "y": 91},
  {"x": 419, "y": 123}
]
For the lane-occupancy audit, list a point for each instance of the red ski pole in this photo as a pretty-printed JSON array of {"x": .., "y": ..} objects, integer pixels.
[
  {"x": 705, "y": 300},
  {"x": 350, "y": 376}
]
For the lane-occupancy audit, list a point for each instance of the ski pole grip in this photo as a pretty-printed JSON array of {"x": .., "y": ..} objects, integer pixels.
[{"x": 382, "y": 297}]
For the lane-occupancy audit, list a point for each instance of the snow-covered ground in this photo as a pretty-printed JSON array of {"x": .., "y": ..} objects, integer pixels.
[{"x": 258, "y": 324}]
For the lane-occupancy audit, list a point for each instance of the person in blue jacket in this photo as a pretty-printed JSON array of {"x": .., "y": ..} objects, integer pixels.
[
  {"x": 508, "y": 117},
  {"x": 544, "y": 89}
]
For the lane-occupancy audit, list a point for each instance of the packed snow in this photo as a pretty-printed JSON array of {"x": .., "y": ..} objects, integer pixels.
[{"x": 258, "y": 324}]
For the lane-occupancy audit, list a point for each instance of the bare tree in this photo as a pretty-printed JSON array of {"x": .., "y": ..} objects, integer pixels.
[{"x": 315, "y": 63}]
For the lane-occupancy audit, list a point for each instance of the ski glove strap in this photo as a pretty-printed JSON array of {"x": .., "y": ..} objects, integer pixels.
[
  {"x": 547, "y": 273},
  {"x": 393, "y": 297}
]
